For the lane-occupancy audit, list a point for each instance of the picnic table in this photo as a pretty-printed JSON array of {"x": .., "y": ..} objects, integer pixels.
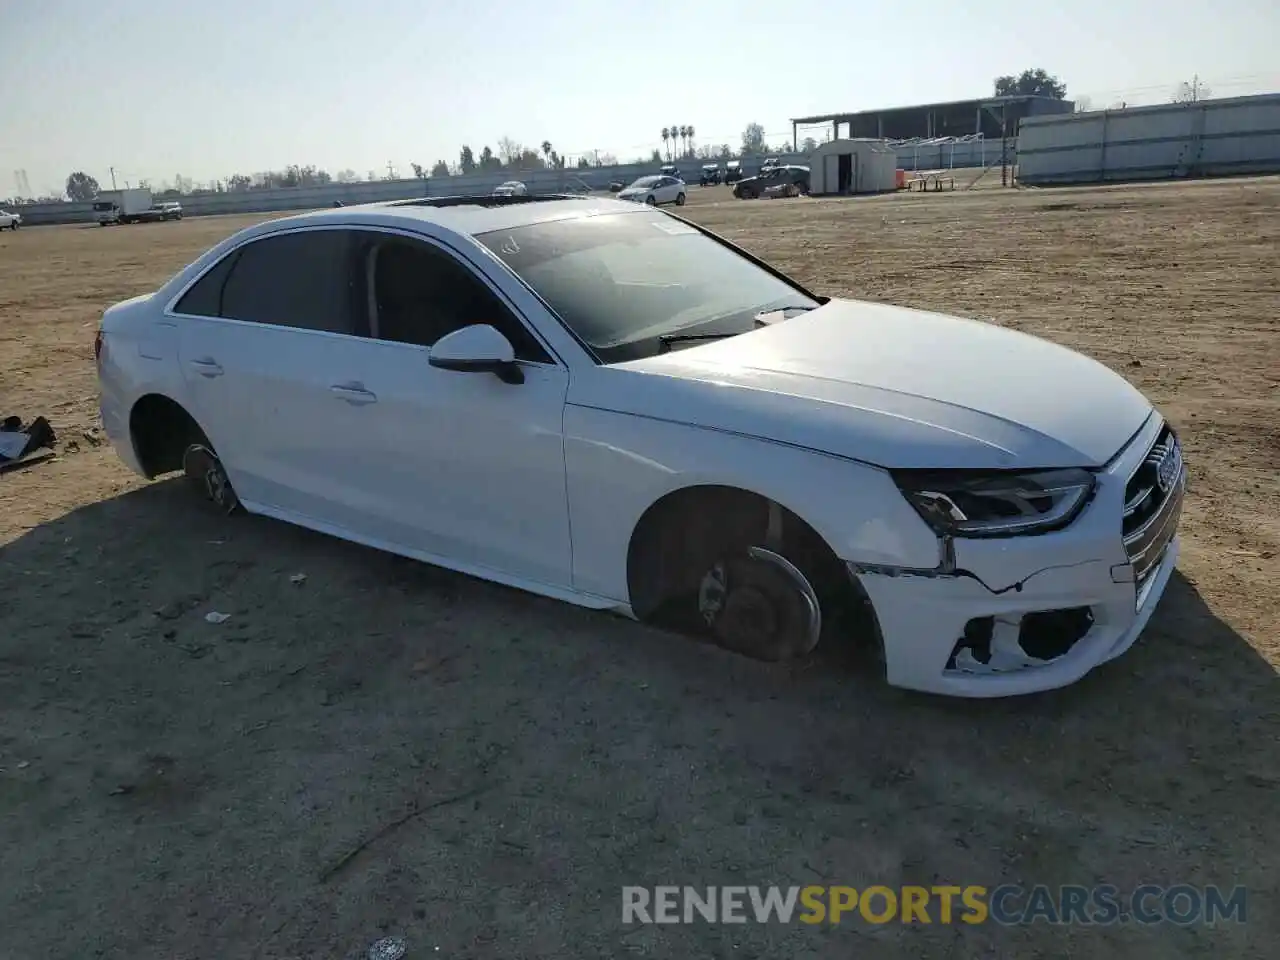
[{"x": 931, "y": 179}]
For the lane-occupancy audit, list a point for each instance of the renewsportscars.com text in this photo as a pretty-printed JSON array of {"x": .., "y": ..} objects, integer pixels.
[{"x": 1009, "y": 905}]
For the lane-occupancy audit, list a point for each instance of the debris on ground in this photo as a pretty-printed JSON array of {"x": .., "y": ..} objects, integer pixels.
[
  {"x": 213, "y": 616},
  {"x": 298, "y": 579},
  {"x": 388, "y": 948},
  {"x": 22, "y": 446}
]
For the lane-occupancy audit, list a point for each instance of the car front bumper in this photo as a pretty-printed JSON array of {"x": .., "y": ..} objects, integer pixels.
[{"x": 1027, "y": 614}]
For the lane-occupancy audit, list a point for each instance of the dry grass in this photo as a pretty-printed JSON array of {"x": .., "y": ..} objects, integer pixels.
[{"x": 171, "y": 788}]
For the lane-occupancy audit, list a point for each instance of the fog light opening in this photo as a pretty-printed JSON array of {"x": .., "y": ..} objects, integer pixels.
[
  {"x": 975, "y": 644},
  {"x": 1050, "y": 634},
  {"x": 1009, "y": 643}
]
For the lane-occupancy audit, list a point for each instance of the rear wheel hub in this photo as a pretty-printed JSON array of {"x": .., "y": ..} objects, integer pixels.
[{"x": 202, "y": 465}]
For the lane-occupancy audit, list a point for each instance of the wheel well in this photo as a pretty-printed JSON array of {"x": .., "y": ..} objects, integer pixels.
[
  {"x": 681, "y": 535},
  {"x": 161, "y": 431}
]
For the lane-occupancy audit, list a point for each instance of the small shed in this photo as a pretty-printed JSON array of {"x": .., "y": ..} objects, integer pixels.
[{"x": 841, "y": 167}]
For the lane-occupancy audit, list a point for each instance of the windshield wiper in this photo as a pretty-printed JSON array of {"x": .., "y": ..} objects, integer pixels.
[
  {"x": 762, "y": 319},
  {"x": 665, "y": 341}
]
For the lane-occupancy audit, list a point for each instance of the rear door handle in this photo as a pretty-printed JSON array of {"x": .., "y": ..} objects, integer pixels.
[
  {"x": 207, "y": 367},
  {"x": 353, "y": 393}
]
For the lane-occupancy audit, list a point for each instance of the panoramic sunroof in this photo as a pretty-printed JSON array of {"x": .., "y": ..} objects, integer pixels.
[{"x": 482, "y": 200}]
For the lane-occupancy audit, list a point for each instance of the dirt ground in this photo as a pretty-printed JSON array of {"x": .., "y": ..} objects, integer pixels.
[{"x": 501, "y": 765}]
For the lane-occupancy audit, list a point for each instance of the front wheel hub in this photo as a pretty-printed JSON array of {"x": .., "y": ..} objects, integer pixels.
[{"x": 760, "y": 605}]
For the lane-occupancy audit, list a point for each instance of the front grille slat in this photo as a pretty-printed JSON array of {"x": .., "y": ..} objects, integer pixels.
[
  {"x": 1138, "y": 502},
  {"x": 1153, "y": 504}
]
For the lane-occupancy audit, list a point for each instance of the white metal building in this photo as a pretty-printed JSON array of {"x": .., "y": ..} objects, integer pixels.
[{"x": 852, "y": 166}]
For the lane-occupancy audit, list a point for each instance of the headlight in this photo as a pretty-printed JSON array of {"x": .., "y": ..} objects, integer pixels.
[{"x": 968, "y": 504}]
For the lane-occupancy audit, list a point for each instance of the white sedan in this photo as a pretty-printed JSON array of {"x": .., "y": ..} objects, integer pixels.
[
  {"x": 602, "y": 403},
  {"x": 9, "y": 221},
  {"x": 655, "y": 191},
  {"x": 512, "y": 188}
]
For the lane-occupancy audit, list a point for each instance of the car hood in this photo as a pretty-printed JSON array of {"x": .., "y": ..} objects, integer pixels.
[{"x": 890, "y": 386}]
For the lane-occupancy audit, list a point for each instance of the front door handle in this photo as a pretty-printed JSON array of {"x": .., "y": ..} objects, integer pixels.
[
  {"x": 353, "y": 393},
  {"x": 207, "y": 367}
]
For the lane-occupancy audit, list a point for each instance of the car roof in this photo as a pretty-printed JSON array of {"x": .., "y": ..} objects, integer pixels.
[{"x": 465, "y": 215}]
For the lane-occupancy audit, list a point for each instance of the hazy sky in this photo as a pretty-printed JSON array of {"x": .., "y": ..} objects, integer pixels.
[{"x": 208, "y": 89}]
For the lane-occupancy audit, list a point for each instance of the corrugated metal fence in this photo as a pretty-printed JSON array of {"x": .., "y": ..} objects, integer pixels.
[{"x": 1208, "y": 138}]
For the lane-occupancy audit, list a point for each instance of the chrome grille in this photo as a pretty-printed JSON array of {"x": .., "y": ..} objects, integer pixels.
[{"x": 1153, "y": 503}]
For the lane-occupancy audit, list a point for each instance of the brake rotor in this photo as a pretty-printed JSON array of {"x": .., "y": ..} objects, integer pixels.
[{"x": 759, "y": 609}]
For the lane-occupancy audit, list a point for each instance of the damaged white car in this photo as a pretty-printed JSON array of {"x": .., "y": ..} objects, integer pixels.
[{"x": 596, "y": 401}]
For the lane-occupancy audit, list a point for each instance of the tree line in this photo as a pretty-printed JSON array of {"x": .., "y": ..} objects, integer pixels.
[
  {"x": 510, "y": 157},
  {"x": 513, "y": 157}
]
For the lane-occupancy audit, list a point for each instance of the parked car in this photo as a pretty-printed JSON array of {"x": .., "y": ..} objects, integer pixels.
[
  {"x": 733, "y": 171},
  {"x": 10, "y": 221},
  {"x": 751, "y": 188},
  {"x": 671, "y": 170},
  {"x": 170, "y": 210},
  {"x": 605, "y": 404},
  {"x": 655, "y": 191},
  {"x": 512, "y": 188},
  {"x": 710, "y": 175}
]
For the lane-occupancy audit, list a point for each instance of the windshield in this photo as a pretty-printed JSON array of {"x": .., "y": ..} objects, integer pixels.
[
  {"x": 647, "y": 182},
  {"x": 621, "y": 281}
]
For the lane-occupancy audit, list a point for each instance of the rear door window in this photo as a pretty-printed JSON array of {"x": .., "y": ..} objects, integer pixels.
[{"x": 302, "y": 280}]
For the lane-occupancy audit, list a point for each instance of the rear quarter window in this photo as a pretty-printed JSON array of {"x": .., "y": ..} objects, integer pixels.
[{"x": 204, "y": 299}]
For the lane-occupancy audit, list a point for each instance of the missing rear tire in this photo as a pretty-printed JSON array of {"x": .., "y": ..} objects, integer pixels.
[{"x": 202, "y": 465}]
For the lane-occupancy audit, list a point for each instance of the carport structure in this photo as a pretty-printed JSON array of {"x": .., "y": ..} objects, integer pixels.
[{"x": 989, "y": 116}]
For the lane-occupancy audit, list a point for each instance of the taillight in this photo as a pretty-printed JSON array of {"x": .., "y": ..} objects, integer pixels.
[{"x": 97, "y": 347}]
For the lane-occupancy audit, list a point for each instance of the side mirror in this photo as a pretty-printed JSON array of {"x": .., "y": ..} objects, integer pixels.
[{"x": 478, "y": 348}]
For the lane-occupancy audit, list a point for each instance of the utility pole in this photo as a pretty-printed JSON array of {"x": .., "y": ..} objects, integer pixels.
[{"x": 113, "y": 177}]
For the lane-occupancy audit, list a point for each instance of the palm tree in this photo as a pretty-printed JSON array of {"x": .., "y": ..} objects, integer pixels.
[
  {"x": 546, "y": 151},
  {"x": 689, "y": 134},
  {"x": 666, "y": 134},
  {"x": 674, "y": 133},
  {"x": 684, "y": 132}
]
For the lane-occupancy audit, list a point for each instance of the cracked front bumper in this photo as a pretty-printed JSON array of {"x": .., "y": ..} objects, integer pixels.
[
  {"x": 921, "y": 618},
  {"x": 926, "y": 617}
]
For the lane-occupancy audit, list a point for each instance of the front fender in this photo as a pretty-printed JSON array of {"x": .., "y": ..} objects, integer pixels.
[{"x": 618, "y": 465}]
